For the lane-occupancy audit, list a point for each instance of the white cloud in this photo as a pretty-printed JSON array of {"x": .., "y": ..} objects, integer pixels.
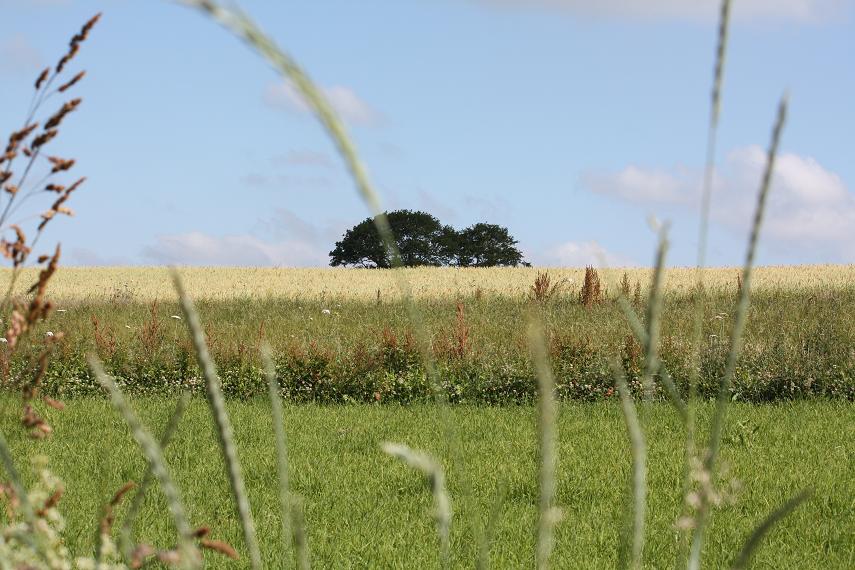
[
  {"x": 349, "y": 106},
  {"x": 640, "y": 185},
  {"x": 580, "y": 254},
  {"x": 18, "y": 55},
  {"x": 808, "y": 206},
  {"x": 196, "y": 248},
  {"x": 703, "y": 10}
]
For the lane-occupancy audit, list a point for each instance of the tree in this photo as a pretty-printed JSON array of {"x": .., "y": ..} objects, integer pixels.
[
  {"x": 487, "y": 245},
  {"x": 421, "y": 240}
]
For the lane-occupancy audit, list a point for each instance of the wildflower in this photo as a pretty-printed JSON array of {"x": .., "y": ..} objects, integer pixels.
[
  {"x": 49, "y": 334},
  {"x": 176, "y": 317},
  {"x": 325, "y": 311},
  {"x": 3, "y": 339}
]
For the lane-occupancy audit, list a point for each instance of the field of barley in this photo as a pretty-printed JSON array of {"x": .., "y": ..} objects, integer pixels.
[{"x": 76, "y": 284}]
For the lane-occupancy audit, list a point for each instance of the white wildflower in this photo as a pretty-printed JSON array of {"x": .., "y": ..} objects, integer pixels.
[
  {"x": 49, "y": 334},
  {"x": 3, "y": 339},
  {"x": 176, "y": 317},
  {"x": 326, "y": 311}
]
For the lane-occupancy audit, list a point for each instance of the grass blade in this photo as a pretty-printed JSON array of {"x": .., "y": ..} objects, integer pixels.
[
  {"x": 703, "y": 233},
  {"x": 301, "y": 543},
  {"x": 547, "y": 412},
  {"x": 486, "y": 542},
  {"x": 638, "y": 450},
  {"x": 738, "y": 328},
  {"x": 654, "y": 310},
  {"x": 436, "y": 480},
  {"x": 637, "y": 328},
  {"x": 225, "y": 433},
  {"x": 126, "y": 532},
  {"x": 154, "y": 456},
  {"x": 763, "y": 528},
  {"x": 281, "y": 448},
  {"x": 243, "y": 27}
]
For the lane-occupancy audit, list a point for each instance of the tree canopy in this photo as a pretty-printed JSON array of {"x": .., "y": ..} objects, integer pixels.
[{"x": 423, "y": 240}]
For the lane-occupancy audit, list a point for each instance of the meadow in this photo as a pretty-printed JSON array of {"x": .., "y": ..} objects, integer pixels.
[
  {"x": 346, "y": 349},
  {"x": 364, "y": 509},
  {"x": 600, "y": 472}
]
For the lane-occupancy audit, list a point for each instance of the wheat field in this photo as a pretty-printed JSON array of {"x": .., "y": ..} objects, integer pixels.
[{"x": 77, "y": 284}]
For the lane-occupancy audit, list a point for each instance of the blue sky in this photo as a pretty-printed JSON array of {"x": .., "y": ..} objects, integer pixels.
[{"x": 568, "y": 124}]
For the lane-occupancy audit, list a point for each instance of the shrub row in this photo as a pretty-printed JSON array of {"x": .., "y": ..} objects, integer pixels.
[{"x": 396, "y": 374}]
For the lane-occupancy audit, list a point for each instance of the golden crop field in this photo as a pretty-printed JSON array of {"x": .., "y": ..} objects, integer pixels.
[{"x": 76, "y": 284}]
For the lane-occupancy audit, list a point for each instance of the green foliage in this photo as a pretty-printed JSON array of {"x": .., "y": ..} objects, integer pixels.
[
  {"x": 420, "y": 237},
  {"x": 487, "y": 245},
  {"x": 423, "y": 240}
]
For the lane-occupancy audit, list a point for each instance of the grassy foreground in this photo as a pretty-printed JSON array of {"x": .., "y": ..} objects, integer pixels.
[{"x": 365, "y": 509}]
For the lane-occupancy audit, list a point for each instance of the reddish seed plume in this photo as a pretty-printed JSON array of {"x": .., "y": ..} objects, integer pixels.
[
  {"x": 74, "y": 186},
  {"x": 55, "y": 404},
  {"x": 219, "y": 546},
  {"x": 122, "y": 492},
  {"x": 44, "y": 138},
  {"x": 42, "y": 77},
  {"x": 62, "y": 166},
  {"x": 62, "y": 88},
  {"x": 18, "y": 136}
]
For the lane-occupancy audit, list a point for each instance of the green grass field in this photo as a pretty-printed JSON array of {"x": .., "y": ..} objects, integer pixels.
[{"x": 365, "y": 509}]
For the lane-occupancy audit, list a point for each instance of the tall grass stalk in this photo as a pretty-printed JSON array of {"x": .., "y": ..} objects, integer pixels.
[
  {"x": 547, "y": 414},
  {"x": 736, "y": 336},
  {"x": 485, "y": 546},
  {"x": 225, "y": 433},
  {"x": 242, "y": 26},
  {"x": 703, "y": 234},
  {"x": 654, "y": 311},
  {"x": 156, "y": 462},
  {"x": 436, "y": 481},
  {"x": 638, "y": 451},
  {"x": 298, "y": 524},
  {"x": 281, "y": 452},
  {"x": 126, "y": 532}
]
